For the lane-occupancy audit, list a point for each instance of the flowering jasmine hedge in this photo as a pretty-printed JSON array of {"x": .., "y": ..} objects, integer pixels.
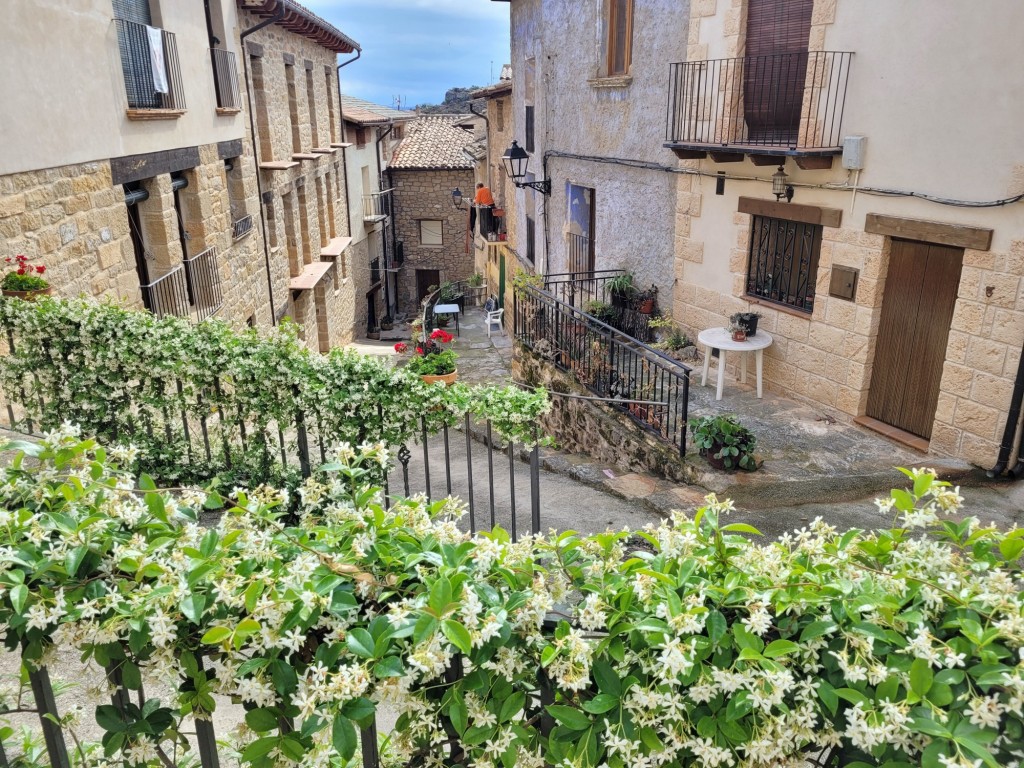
[
  {"x": 125, "y": 375},
  {"x": 687, "y": 646}
]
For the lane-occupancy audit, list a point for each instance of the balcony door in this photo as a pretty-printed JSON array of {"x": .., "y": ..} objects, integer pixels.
[
  {"x": 581, "y": 228},
  {"x": 778, "y": 32},
  {"x": 133, "y": 17}
]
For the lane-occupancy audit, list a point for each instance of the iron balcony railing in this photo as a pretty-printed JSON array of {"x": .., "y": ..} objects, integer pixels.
[
  {"x": 204, "y": 283},
  {"x": 225, "y": 79},
  {"x": 241, "y": 227},
  {"x": 149, "y": 65},
  {"x": 582, "y": 289},
  {"x": 793, "y": 101},
  {"x": 377, "y": 205},
  {"x": 168, "y": 294},
  {"x": 651, "y": 387},
  {"x": 191, "y": 289},
  {"x": 581, "y": 253}
]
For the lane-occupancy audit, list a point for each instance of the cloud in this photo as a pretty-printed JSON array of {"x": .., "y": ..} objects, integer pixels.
[{"x": 460, "y": 9}]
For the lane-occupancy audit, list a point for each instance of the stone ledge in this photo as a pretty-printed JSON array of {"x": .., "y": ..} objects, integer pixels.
[
  {"x": 154, "y": 114},
  {"x": 311, "y": 275},
  {"x": 305, "y": 156},
  {"x": 618, "y": 81},
  {"x": 278, "y": 165},
  {"x": 228, "y": 111}
]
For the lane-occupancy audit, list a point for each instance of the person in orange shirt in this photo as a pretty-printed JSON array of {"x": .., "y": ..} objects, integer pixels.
[{"x": 484, "y": 200}]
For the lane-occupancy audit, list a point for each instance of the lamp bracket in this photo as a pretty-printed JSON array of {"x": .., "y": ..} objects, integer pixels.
[{"x": 544, "y": 187}]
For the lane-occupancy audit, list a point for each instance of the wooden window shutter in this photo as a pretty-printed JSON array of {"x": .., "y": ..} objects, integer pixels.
[
  {"x": 620, "y": 33},
  {"x": 778, "y": 26}
]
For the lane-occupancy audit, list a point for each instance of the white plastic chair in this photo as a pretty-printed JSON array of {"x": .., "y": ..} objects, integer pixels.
[{"x": 494, "y": 318}]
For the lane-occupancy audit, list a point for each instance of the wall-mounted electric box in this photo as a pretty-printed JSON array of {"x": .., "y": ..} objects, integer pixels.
[{"x": 853, "y": 152}]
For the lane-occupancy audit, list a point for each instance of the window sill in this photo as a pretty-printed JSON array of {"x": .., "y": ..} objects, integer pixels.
[
  {"x": 614, "y": 81},
  {"x": 780, "y": 307},
  {"x": 228, "y": 111},
  {"x": 154, "y": 114}
]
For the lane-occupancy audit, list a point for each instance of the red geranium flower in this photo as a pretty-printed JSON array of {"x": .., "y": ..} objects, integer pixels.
[
  {"x": 419, "y": 350},
  {"x": 40, "y": 269},
  {"x": 401, "y": 347}
]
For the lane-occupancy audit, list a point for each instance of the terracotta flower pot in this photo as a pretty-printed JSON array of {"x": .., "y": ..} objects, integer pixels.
[
  {"x": 739, "y": 335},
  {"x": 447, "y": 378},
  {"x": 29, "y": 295}
]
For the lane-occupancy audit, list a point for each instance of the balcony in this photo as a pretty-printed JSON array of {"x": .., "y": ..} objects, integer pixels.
[
  {"x": 765, "y": 107},
  {"x": 377, "y": 206},
  {"x": 191, "y": 289},
  {"x": 225, "y": 81},
  {"x": 152, "y": 73}
]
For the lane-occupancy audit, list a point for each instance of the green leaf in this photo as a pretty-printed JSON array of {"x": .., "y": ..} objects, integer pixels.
[
  {"x": 601, "y": 703},
  {"x": 459, "y": 715},
  {"x": 131, "y": 676},
  {"x": 216, "y": 635},
  {"x": 260, "y": 748},
  {"x": 780, "y": 648},
  {"x": 742, "y": 528},
  {"x": 817, "y": 629},
  {"x": 921, "y": 677},
  {"x": 440, "y": 596},
  {"x": 193, "y": 606},
  {"x": 74, "y": 559},
  {"x": 360, "y": 710},
  {"x": 930, "y": 727},
  {"x": 391, "y": 666},
  {"x": 717, "y": 626},
  {"x": 739, "y": 705},
  {"x": 360, "y": 643},
  {"x": 261, "y": 720},
  {"x": 511, "y": 706},
  {"x": 570, "y": 717},
  {"x": 607, "y": 679},
  {"x": 458, "y": 635},
  {"x": 19, "y": 595}
]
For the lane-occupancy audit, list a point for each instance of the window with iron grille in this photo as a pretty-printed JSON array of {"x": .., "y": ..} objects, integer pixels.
[{"x": 783, "y": 266}]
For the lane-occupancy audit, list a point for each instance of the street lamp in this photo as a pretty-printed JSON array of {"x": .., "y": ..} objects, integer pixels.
[
  {"x": 516, "y": 160},
  {"x": 457, "y": 198},
  {"x": 781, "y": 186}
]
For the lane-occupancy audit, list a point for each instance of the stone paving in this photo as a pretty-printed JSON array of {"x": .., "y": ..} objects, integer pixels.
[{"x": 815, "y": 461}]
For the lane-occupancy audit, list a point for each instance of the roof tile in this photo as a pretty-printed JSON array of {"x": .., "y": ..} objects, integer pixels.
[{"x": 434, "y": 142}]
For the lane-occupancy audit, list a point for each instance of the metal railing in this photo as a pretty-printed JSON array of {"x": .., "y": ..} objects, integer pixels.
[
  {"x": 651, "y": 387},
  {"x": 581, "y": 253},
  {"x": 579, "y": 289},
  {"x": 241, "y": 227},
  {"x": 225, "y": 79},
  {"x": 204, "y": 283},
  {"x": 787, "y": 100},
  {"x": 168, "y": 294},
  {"x": 142, "y": 71},
  {"x": 377, "y": 205}
]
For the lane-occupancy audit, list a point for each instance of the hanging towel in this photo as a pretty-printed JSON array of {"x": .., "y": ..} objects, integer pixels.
[{"x": 156, "y": 56}]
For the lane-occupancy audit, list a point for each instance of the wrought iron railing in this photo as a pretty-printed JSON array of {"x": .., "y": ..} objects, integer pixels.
[
  {"x": 788, "y": 100},
  {"x": 204, "y": 283},
  {"x": 648, "y": 385},
  {"x": 581, "y": 253},
  {"x": 149, "y": 65},
  {"x": 168, "y": 294},
  {"x": 225, "y": 79},
  {"x": 582, "y": 289},
  {"x": 377, "y": 205},
  {"x": 241, "y": 227}
]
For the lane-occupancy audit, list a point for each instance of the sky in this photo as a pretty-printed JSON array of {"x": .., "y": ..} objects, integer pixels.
[{"x": 418, "y": 49}]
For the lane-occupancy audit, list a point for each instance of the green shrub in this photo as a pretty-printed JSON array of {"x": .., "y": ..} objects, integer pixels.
[{"x": 725, "y": 441}]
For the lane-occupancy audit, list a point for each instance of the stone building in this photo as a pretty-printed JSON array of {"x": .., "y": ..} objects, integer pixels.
[
  {"x": 830, "y": 166},
  {"x": 427, "y": 166},
  {"x": 140, "y": 180},
  {"x": 372, "y": 132}
]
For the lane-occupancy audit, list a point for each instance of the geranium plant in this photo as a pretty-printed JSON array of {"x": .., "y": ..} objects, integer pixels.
[
  {"x": 431, "y": 357},
  {"x": 24, "y": 276}
]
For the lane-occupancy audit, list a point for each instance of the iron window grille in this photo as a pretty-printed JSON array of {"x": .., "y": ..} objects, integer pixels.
[
  {"x": 783, "y": 265},
  {"x": 225, "y": 79},
  {"x": 137, "y": 65},
  {"x": 241, "y": 227}
]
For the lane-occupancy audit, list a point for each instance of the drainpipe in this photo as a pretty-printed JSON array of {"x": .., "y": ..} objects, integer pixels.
[
  {"x": 394, "y": 229},
  {"x": 341, "y": 107},
  {"x": 278, "y": 15},
  {"x": 1012, "y": 418},
  {"x": 380, "y": 177}
]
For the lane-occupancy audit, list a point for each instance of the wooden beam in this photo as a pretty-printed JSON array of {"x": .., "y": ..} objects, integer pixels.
[
  {"x": 689, "y": 154},
  {"x": 727, "y": 157},
  {"x": 956, "y": 235},
  {"x": 767, "y": 159},
  {"x": 808, "y": 214},
  {"x": 814, "y": 162}
]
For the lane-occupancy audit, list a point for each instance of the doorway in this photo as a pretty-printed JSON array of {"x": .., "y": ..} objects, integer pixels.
[
  {"x": 425, "y": 279},
  {"x": 917, "y": 309}
]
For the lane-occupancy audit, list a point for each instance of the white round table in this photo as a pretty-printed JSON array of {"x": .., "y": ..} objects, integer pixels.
[{"x": 721, "y": 339}]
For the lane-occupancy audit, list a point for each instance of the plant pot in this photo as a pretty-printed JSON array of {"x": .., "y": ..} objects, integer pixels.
[
  {"x": 645, "y": 307},
  {"x": 441, "y": 321},
  {"x": 750, "y": 323},
  {"x": 29, "y": 295},
  {"x": 739, "y": 335},
  {"x": 447, "y": 378}
]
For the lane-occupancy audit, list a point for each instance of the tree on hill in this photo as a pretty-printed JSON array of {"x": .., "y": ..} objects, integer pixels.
[{"x": 456, "y": 101}]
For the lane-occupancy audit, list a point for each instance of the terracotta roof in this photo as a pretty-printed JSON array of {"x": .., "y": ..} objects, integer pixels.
[
  {"x": 490, "y": 91},
  {"x": 364, "y": 112},
  {"x": 434, "y": 142},
  {"x": 299, "y": 19}
]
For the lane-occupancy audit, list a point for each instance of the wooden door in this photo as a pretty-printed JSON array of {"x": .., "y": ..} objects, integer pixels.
[
  {"x": 917, "y": 308},
  {"x": 425, "y": 280}
]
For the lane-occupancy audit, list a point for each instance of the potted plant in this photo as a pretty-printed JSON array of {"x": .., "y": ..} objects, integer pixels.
[
  {"x": 725, "y": 442},
  {"x": 449, "y": 293},
  {"x": 434, "y": 359},
  {"x": 747, "y": 321},
  {"x": 644, "y": 300},
  {"x": 25, "y": 280},
  {"x": 600, "y": 310},
  {"x": 622, "y": 289},
  {"x": 739, "y": 333},
  {"x": 387, "y": 323}
]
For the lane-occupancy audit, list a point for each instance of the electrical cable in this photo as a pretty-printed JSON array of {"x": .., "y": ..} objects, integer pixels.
[{"x": 837, "y": 186}]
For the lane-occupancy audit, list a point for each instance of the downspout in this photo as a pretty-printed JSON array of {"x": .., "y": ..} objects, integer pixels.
[
  {"x": 341, "y": 106},
  {"x": 394, "y": 229},
  {"x": 278, "y": 15},
  {"x": 1010, "y": 431}
]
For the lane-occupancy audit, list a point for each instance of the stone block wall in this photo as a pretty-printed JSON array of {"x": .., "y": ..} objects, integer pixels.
[
  {"x": 422, "y": 195},
  {"x": 72, "y": 220}
]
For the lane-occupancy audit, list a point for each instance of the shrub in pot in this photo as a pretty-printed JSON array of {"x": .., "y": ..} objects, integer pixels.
[
  {"x": 747, "y": 321},
  {"x": 725, "y": 442},
  {"x": 622, "y": 289}
]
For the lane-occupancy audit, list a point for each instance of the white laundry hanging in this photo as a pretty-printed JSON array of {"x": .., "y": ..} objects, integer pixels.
[{"x": 155, "y": 37}]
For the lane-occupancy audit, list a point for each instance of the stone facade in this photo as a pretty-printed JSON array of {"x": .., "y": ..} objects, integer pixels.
[{"x": 427, "y": 195}]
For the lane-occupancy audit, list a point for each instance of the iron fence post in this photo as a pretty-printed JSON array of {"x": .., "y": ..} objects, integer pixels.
[{"x": 42, "y": 691}]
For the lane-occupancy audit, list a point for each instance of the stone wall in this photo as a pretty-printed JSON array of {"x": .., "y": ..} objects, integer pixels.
[
  {"x": 422, "y": 195},
  {"x": 582, "y": 426}
]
